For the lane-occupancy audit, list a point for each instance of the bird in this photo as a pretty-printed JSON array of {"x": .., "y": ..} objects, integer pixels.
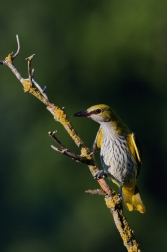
[{"x": 120, "y": 153}]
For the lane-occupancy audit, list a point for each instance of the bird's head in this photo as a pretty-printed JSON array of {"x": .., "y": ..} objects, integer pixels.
[
  {"x": 104, "y": 114},
  {"x": 99, "y": 113}
]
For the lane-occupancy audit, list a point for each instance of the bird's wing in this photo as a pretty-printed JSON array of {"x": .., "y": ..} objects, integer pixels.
[
  {"x": 98, "y": 140},
  {"x": 137, "y": 148}
]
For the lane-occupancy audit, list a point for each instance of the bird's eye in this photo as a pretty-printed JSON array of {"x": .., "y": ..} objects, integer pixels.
[{"x": 97, "y": 111}]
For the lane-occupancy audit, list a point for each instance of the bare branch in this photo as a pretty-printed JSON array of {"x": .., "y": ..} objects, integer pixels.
[
  {"x": 30, "y": 72},
  {"x": 18, "y": 48},
  {"x": 67, "y": 152},
  {"x": 52, "y": 134},
  {"x": 96, "y": 191}
]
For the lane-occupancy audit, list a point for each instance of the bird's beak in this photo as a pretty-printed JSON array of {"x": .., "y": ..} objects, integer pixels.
[{"x": 83, "y": 113}]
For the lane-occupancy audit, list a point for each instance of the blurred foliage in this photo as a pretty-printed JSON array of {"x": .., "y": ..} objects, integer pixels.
[{"x": 88, "y": 52}]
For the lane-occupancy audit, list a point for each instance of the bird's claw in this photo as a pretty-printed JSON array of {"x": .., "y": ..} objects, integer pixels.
[
  {"x": 120, "y": 197},
  {"x": 100, "y": 174}
]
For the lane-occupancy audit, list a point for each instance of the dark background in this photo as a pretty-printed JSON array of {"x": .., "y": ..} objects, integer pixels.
[{"x": 87, "y": 52}]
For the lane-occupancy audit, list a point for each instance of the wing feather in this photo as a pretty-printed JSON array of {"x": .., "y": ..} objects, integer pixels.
[
  {"x": 98, "y": 141},
  {"x": 137, "y": 147}
]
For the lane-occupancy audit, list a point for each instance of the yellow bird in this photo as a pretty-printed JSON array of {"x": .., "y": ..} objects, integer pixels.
[{"x": 120, "y": 153}]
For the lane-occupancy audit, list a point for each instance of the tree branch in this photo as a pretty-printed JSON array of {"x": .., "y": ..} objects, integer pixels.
[
  {"x": 86, "y": 156},
  {"x": 67, "y": 152}
]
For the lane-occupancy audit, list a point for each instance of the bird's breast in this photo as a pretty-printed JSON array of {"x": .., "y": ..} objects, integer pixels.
[{"x": 116, "y": 157}]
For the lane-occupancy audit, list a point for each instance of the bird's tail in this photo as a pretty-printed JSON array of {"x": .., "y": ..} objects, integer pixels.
[{"x": 132, "y": 199}]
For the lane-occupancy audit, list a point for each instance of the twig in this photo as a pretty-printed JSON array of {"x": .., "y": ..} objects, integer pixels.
[
  {"x": 111, "y": 198},
  {"x": 30, "y": 71},
  {"x": 52, "y": 134},
  {"x": 18, "y": 48},
  {"x": 96, "y": 191},
  {"x": 67, "y": 152}
]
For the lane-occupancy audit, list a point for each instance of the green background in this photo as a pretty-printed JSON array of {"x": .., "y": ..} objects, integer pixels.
[{"x": 87, "y": 52}]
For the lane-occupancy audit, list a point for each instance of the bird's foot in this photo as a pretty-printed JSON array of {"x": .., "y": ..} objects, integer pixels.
[{"x": 100, "y": 174}]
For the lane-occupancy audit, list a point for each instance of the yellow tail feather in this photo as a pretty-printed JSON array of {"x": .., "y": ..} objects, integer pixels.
[{"x": 132, "y": 199}]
